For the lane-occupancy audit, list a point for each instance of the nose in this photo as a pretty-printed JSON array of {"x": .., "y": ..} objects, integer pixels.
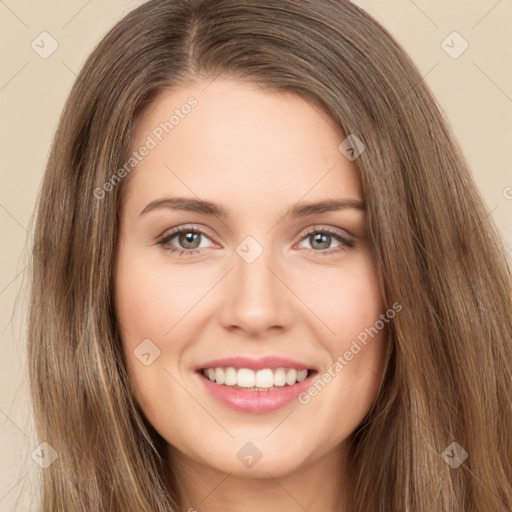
[{"x": 256, "y": 298}]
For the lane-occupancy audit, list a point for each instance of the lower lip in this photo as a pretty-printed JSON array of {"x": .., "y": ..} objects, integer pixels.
[{"x": 255, "y": 402}]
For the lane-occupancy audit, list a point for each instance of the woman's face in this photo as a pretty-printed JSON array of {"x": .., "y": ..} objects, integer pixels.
[{"x": 269, "y": 291}]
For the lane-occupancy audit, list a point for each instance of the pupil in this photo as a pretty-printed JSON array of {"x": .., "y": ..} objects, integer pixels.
[
  {"x": 188, "y": 239},
  {"x": 322, "y": 239}
]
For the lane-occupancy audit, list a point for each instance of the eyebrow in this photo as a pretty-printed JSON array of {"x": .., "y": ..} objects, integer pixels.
[{"x": 215, "y": 209}]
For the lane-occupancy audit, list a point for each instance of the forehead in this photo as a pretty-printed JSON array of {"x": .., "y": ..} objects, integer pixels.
[{"x": 240, "y": 145}]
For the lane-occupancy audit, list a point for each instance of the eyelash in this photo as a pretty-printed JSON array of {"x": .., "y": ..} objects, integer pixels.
[{"x": 345, "y": 243}]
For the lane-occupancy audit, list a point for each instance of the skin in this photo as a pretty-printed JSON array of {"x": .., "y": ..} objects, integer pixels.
[{"x": 257, "y": 153}]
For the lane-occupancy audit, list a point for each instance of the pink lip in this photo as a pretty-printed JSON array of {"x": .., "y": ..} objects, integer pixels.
[
  {"x": 255, "y": 402},
  {"x": 255, "y": 364}
]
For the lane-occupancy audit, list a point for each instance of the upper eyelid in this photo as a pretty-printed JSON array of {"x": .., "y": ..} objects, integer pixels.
[{"x": 176, "y": 231}]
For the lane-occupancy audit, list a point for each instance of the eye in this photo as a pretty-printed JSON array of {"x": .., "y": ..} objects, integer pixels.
[
  {"x": 188, "y": 237},
  {"x": 189, "y": 240},
  {"x": 321, "y": 238}
]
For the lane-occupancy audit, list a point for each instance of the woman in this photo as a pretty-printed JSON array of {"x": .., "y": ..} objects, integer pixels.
[{"x": 255, "y": 368}]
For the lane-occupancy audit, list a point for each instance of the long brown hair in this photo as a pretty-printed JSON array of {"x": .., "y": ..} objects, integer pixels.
[{"x": 449, "y": 372}]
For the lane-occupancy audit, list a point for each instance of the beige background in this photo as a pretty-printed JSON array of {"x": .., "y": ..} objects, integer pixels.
[{"x": 475, "y": 90}]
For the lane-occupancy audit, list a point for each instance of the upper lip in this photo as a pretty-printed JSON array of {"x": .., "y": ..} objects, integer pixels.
[{"x": 255, "y": 364}]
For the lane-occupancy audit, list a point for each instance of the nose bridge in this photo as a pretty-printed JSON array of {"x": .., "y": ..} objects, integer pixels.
[{"x": 256, "y": 299}]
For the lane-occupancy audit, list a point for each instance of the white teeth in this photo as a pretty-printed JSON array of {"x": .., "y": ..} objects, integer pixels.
[
  {"x": 301, "y": 375},
  {"x": 245, "y": 378},
  {"x": 265, "y": 378},
  {"x": 280, "y": 377},
  {"x": 230, "y": 378},
  {"x": 291, "y": 377},
  {"x": 219, "y": 375}
]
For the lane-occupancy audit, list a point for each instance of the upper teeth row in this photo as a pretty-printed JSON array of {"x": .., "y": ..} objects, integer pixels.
[{"x": 247, "y": 378}]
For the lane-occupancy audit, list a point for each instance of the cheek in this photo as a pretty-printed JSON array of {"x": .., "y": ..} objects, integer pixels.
[
  {"x": 353, "y": 308},
  {"x": 154, "y": 304},
  {"x": 152, "y": 297},
  {"x": 346, "y": 301}
]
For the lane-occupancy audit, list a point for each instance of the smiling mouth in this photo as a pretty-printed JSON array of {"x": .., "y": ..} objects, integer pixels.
[{"x": 265, "y": 379}]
